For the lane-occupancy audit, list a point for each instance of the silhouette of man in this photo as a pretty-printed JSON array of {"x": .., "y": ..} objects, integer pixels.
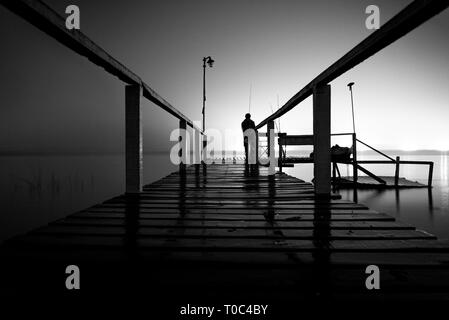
[{"x": 247, "y": 124}]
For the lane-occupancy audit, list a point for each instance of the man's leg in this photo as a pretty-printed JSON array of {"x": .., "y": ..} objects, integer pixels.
[{"x": 246, "y": 153}]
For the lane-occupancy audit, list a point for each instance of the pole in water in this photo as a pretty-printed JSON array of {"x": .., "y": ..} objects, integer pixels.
[{"x": 352, "y": 105}]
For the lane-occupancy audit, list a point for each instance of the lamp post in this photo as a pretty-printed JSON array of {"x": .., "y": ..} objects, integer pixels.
[
  {"x": 352, "y": 105},
  {"x": 210, "y": 63}
]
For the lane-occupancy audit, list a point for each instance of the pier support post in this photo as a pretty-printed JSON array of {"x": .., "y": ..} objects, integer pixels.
[
  {"x": 396, "y": 172},
  {"x": 197, "y": 143},
  {"x": 257, "y": 147},
  {"x": 204, "y": 153},
  {"x": 429, "y": 180},
  {"x": 280, "y": 153},
  {"x": 270, "y": 139},
  {"x": 321, "y": 140},
  {"x": 134, "y": 147},
  {"x": 182, "y": 145},
  {"x": 355, "y": 174}
]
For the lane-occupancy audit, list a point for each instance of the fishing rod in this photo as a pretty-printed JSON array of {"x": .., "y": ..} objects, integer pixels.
[{"x": 250, "y": 92}]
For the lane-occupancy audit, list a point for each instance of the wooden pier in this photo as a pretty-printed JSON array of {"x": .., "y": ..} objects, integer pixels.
[
  {"x": 234, "y": 234},
  {"x": 225, "y": 232}
]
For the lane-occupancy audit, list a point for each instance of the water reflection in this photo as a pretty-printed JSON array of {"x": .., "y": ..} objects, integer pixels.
[
  {"x": 39, "y": 189},
  {"x": 321, "y": 255},
  {"x": 131, "y": 224}
]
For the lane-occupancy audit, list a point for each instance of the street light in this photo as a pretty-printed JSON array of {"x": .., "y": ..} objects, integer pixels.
[
  {"x": 210, "y": 63},
  {"x": 352, "y": 105}
]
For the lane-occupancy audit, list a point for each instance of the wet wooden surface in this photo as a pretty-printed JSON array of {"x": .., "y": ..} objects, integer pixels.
[{"x": 230, "y": 229}]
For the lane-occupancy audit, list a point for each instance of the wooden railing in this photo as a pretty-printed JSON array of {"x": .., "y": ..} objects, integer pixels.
[
  {"x": 405, "y": 21},
  {"x": 49, "y": 21}
]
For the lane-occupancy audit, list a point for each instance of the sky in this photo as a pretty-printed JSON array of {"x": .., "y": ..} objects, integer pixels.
[{"x": 53, "y": 100}]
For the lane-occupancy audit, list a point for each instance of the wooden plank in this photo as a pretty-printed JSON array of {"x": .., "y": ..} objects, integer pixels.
[
  {"x": 279, "y": 259},
  {"x": 372, "y": 175},
  {"x": 236, "y": 206},
  {"x": 233, "y": 211},
  {"x": 246, "y": 245},
  {"x": 225, "y": 217},
  {"x": 222, "y": 200},
  {"x": 296, "y": 140},
  {"x": 239, "y": 224},
  {"x": 214, "y": 233}
]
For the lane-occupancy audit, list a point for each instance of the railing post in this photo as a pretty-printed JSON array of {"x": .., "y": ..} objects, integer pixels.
[
  {"x": 334, "y": 174},
  {"x": 204, "y": 153},
  {"x": 257, "y": 146},
  {"x": 280, "y": 152},
  {"x": 396, "y": 172},
  {"x": 429, "y": 181},
  {"x": 321, "y": 140},
  {"x": 270, "y": 139},
  {"x": 182, "y": 145},
  {"x": 197, "y": 152},
  {"x": 133, "y": 131},
  {"x": 355, "y": 174}
]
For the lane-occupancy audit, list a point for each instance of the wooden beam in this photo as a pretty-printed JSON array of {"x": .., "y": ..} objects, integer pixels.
[
  {"x": 396, "y": 171},
  {"x": 296, "y": 140},
  {"x": 49, "y": 21},
  {"x": 322, "y": 140},
  {"x": 183, "y": 145},
  {"x": 372, "y": 175},
  {"x": 134, "y": 145},
  {"x": 355, "y": 174},
  {"x": 271, "y": 149},
  {"x": 197, "y": 144},
  {"x": 412, "y": 16}
]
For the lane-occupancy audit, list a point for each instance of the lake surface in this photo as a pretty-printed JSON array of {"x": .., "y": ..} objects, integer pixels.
[
  {"x": 423, "y": 208},
  {"x": 36, "y": 190}
]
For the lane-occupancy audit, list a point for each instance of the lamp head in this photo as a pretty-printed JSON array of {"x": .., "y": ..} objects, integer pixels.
[
  {"x": 350, "y": 84},
  {"x": 210, "y": 61}
]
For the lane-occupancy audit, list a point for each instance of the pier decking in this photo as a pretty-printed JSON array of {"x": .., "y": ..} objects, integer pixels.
[
  {"x": 228, "y": 234},
  {"x": 233, "y": 234}
]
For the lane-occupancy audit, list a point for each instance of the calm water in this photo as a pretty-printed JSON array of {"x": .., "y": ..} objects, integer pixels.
[
  {"x": 426, "y": 210},
  {"x": 38, "y": 189}
]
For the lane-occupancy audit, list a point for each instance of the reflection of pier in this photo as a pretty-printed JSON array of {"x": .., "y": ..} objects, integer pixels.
[{"x": 221, "y": 230}]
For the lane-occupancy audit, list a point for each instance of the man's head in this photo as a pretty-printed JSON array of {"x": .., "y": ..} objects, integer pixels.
[{"x": 247, "y": 116}]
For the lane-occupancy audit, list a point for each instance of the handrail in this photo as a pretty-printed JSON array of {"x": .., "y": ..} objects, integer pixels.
[
  {"x": 374, "y": 149},
  {"x": 390, "y": 162},
  {"x": 341, "y": 134},
  {"x": 49, "y": 21},
  {"x": 405, "y": 21}
]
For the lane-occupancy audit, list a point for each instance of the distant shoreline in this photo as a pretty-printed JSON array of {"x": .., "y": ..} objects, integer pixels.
[{"x": 391, "y": 152}]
